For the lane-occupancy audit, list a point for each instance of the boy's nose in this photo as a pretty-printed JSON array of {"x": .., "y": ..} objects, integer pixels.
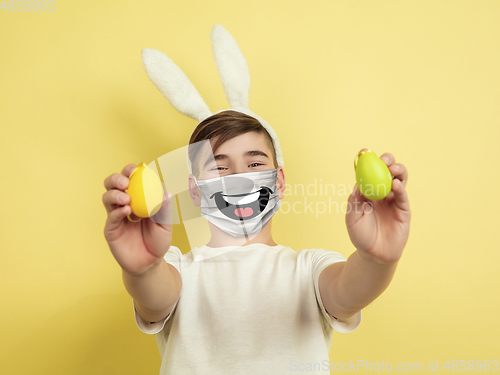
[
  {"x": 239, "y": 169},
  {"x": 238, "y": 185}
]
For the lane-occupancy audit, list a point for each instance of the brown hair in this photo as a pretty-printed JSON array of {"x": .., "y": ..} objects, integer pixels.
[{"x": 223, "y": 126}]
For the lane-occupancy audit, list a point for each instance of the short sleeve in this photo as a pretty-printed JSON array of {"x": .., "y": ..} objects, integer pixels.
[
  {"x": 173, "y": 257},
  {"x": 320, "y": 259}
]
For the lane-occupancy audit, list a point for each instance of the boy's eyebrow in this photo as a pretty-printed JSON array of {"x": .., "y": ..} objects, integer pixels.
[{"x": 224, "y": 156}]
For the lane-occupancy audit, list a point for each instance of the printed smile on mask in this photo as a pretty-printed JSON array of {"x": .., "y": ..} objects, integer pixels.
[{"x": 243, "y": 206}]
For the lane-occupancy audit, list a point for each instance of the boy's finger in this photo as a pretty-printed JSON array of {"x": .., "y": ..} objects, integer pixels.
[
  {"x": 401, "y": 198},
  {"x": 354, "y": 206},
  {"x": 128, "y": 169},
  {"x": 388, "y": 159},
  {"x": 400, "y": 172},
  {"x": 115, "y": 218}
]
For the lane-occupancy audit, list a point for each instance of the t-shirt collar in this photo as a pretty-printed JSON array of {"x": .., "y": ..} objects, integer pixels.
[{"x": 205, "y": 252}]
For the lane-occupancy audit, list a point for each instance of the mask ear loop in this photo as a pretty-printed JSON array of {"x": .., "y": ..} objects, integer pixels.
[{"x": 196, "y": 182}]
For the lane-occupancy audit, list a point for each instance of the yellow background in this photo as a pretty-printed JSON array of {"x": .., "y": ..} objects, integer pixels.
[{"x": 418, "y": 79}]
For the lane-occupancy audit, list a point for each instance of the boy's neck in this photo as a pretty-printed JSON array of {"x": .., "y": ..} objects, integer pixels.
[{"x": 219, "y": 238}]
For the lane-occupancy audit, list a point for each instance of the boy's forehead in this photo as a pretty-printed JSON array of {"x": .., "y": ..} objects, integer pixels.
[
  {"x": 248, "y": 146},
  {"x": 248, "y": 141}
]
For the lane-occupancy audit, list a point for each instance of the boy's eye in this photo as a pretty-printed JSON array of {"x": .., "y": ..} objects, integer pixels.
[{"x": 219, "y": 168}]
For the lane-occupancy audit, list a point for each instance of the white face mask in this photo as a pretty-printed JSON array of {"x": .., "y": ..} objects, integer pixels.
[{"x": 240, "y": 204}]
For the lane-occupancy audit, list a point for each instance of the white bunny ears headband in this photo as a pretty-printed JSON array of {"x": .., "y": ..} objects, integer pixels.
[{"x": 181, "y": 93}]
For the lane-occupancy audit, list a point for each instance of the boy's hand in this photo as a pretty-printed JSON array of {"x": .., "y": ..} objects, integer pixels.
[
  {"x": 136, "y": 246},
  {"x": 379, "y": 229}
]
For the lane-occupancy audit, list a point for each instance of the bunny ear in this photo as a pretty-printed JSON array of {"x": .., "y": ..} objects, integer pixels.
[
  {"x": 232, "y": 67},
  {"x": 174, "y": 84}
]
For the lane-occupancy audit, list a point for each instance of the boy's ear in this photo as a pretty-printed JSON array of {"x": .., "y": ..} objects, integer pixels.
[
  {"x": 280, "y": 184},
  {"x": 194, "y": 191}
]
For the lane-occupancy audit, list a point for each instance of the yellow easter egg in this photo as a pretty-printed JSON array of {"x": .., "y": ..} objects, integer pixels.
[
  {"x": 145, "y": 191},
  {"x": 372, "y": 175}
]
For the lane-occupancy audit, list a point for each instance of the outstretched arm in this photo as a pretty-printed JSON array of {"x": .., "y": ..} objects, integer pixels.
[
  {"x": 348, "y": 287},
  {"x": 379, "y": 230}
]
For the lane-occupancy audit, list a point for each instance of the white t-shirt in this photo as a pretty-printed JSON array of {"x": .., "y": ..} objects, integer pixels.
[{"x": 253, "y": 309}]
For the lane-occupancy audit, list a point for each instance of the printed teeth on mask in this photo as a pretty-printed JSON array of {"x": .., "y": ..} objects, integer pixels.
[{"x": 242, "y": 199}]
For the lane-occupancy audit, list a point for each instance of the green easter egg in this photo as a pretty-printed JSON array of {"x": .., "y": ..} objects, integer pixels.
[{"x": 372, "y": 175}]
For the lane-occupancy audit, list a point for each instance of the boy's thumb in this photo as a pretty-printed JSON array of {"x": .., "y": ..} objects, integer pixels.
[
  {"x": 354, "y": 206},
  {"x": 164, "y": 215}
]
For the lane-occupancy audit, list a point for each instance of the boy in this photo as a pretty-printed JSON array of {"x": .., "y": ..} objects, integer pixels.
[{"x": 251, "y": 306}]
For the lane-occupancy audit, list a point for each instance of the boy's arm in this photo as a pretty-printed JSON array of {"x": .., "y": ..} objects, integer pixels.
[
  {"x": 379, "y": 230},
  {"x": 155, "y": 292},
  {"x": 347, "y": 287}
]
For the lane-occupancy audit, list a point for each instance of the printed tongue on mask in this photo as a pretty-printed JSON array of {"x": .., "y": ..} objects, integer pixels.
[{"x": 243, "y": 212}]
